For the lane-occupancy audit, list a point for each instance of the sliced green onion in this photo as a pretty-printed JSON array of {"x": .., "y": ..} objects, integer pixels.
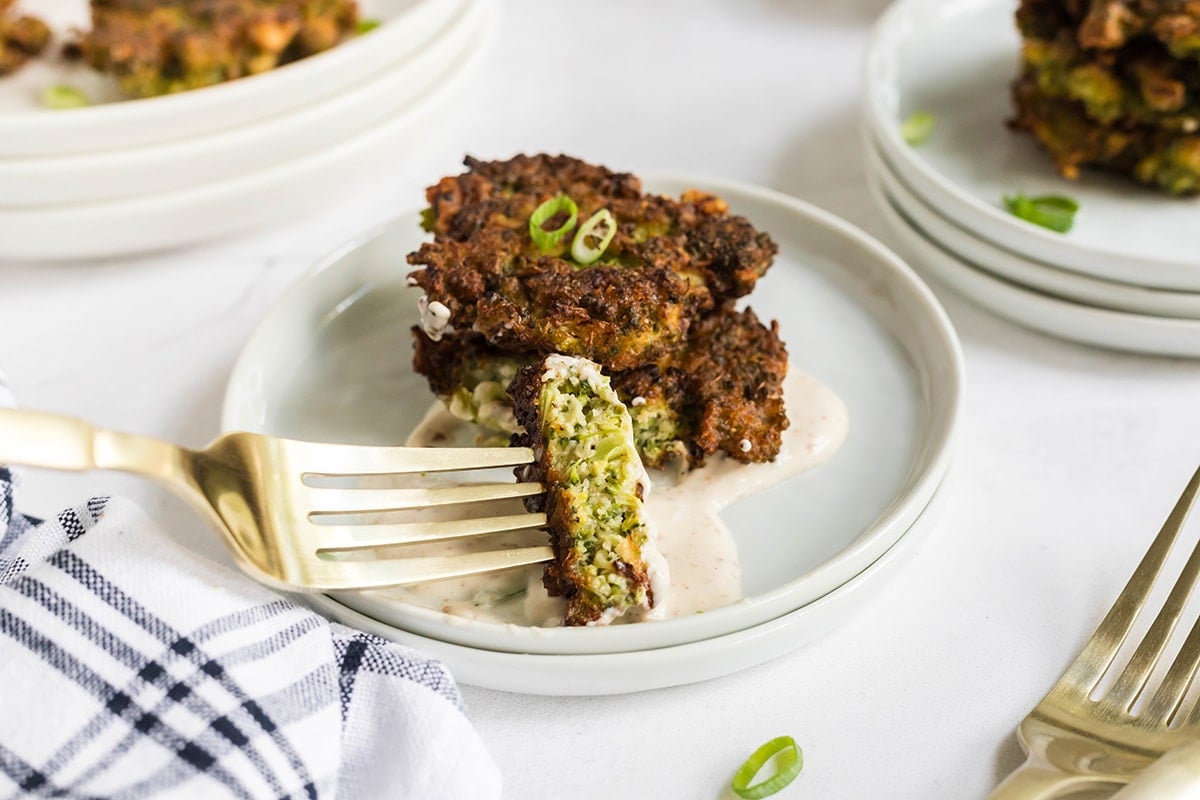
[
  {"x": 367, "y": 25},
  {"x": 559, "y": 204},
  {"x": 61, "y": 95},
  {"x": 789, "y": 760},
  {"x": 918, "y": 128},
  {"x": 599, "y": 228},
  {"x": 1050, "y": 211}
]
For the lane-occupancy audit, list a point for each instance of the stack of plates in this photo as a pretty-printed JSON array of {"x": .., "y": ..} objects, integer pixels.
[
  {"x": 332, "y": 362},
  {"x": 1127, "y": 276},
  {"x": 122, "y": 176}
]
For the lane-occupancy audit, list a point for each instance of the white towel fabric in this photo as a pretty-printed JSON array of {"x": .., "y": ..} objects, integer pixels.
[{"x": 130, "y": 667}]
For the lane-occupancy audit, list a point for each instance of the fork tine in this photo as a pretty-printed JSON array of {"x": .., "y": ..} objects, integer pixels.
[
  {"x": 1098, "y": 654},
  {"x": 352, "y": 537},
  {"x": 1167, "y": 699},
  {"x": 328, "y": 502},
  {"x": 1133, "y": 678},
  {"x": 324, "y": 460},
  {"x": 334, "y": 575}
]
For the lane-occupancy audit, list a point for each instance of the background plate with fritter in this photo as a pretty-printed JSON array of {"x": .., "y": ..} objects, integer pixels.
[
  {"x": 331, "y": 362},
  {"x": 956, "y": 60}
]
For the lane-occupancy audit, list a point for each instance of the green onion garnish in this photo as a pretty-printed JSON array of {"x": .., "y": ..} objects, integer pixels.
[
  {"x": 594, "y": 237},
  {"x": 367, "y": 25},
  {"x": 1050, "y": 211},
  {"x": 559, "y": 204},
  {"x": 917, "y": 128},
  {"x": 61, "y": 95},
  {"x": 788, "y": 763}
]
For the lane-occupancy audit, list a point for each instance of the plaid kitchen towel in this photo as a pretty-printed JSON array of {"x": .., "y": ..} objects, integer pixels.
[{"x": 130, "y": 667}]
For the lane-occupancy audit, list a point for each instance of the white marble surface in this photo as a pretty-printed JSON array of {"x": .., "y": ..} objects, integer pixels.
[{"x": 1068, "y": 461}]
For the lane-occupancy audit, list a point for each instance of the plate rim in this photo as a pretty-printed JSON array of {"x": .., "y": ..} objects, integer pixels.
[
  {"x": 881, "y": 87},
  {"x": 893, "y": 520},
  {"x": 1065, "y": 284},
  {"x": 462, "y": 660},
  {"x": 1037, "y": 310}
]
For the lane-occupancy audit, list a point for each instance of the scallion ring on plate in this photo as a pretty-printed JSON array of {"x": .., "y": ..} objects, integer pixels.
[
  {"x": 61, "y": 95},
  {"x": 594, "y": 237},
  {"x": 1051, "y": 211},
  {"x": 789, "y": 760},
  {"x": 559, "y": 204}
]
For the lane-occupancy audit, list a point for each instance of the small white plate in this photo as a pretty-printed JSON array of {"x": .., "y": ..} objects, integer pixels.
[
  {"x": 27, "y": 128},
  {"x": 956, "y": 59},
  {"x": 1041, "y": 312},
  {"x": 195, "y": 161},
  {"x": 175, "y": 219},
  {"x": 332, "y": 362},
  {"x": 621, "y": 673},
  {"x": 1070, "y": 286}
]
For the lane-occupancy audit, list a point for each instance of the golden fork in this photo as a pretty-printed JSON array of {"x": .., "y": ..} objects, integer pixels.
[
  {"x": 268, "y": 496},
  {"x": 1075, "y": 742}
]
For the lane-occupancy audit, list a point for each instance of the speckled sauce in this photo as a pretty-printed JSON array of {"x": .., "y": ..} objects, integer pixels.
[{"x": 698, "y": 546}]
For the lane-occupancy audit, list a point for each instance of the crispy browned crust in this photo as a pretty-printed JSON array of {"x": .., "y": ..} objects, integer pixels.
[
  {"x": 160, "y": 46},
  {"x": 737, "y": 365},
  {"x": 669, "y": 262},
  {"x": 21, "y": 38},
  {"x": 561, "y": 576},
  {"x": 725, "y": 384}
]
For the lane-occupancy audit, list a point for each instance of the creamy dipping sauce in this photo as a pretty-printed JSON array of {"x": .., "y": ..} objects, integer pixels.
[{"x": 699, "y": 548}]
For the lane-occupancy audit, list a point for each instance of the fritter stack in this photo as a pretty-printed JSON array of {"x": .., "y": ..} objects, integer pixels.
[
  {"x": 21, "y": 37},
  {"x": 1114, "y": 84},
  {"x": 656, "y": 311}
]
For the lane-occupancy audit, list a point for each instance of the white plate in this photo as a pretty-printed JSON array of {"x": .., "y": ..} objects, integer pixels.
[
  {"x": 331, "y": 362},
  {"x": 620, "y": 673},
  {"x": 1041, "y": 312},
  {"x": 176, "y": 219},
  {"x": 26, "y": 128},
  {"x": 1002, "y": 263},
  {"x": 955, "y": 59},
  {"x": 189, "y": 163}
]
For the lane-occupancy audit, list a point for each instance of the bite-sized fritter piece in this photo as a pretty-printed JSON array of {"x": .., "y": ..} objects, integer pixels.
[
  {"x": 1150, "y": 155},
  {"x": 668, "y": 261},
  {"x": 1111, "y": 24},
  {"x": 605, "y": 560},
  {"x": 21, "y": 38},
  {"x": 737, "y": 365},
  {"x": 156, "y": 47},
  {"x": 721, "y": 392}
]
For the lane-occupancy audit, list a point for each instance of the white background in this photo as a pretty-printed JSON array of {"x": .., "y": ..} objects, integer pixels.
[{"x": 1069, "y": 457}]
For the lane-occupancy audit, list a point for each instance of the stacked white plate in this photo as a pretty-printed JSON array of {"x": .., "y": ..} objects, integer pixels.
[
  {"x": 123, "y": 176},
  {"x": 1126, "y": 276},
  {"x": 332, "y": 362}
]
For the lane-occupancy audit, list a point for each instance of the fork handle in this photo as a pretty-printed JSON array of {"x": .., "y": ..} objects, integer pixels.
[
  {"x": 1038, "y": 780},
  {"x": 1175, "y": 776},
  {"x": 54, "y": 441}
]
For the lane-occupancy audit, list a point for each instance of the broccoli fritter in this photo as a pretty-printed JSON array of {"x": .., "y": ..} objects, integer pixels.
[
  {"x": 156, "y": 47},
  {"x": 668, "y": 263},
  {"x": 605, "y": 562},
  {"x": 1073, "y": 140},
  {"x": 21, "y": 38},
  {"x": 1115, "y": 85},
  {"x": 722, "y": 391}
]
